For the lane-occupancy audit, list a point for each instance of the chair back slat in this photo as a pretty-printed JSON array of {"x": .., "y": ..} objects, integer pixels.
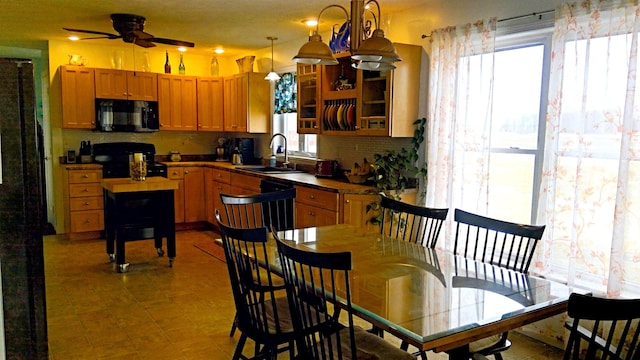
[
  {"x": 497, "y": 242},
  {"x": 603, "y": 328},
  {"x": 261, "y": 210},
  {"x": 412, "y": 223}
]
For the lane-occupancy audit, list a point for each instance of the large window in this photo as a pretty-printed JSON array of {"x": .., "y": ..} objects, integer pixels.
[{"x": 516, "y": 124}]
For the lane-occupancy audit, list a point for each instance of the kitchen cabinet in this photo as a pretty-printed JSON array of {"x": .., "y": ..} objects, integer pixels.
[
  {"x": 189, "y": 201},
  {"x": 315, "y": 207},
  {"x": 217, "y": 182},
  {"x": 84, "y": 201},
  {"x": 244, "y": 184},
  {"x": 78, "y": 97},
  {"x": 373, "y": 103},
  {"x": 126, "y": 85},
  {"x": 308, "y": 98},
  {"x": 247, "y": 103},
  {"x": 177, "y": 102},
  {"x": 354, "y": 209},
  {"x": 210, "y": 104}
]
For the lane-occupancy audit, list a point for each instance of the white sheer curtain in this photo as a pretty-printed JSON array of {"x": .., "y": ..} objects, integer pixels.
[
  {"x": 459, "y": 125},
  {"x": 590, "y": 193}
]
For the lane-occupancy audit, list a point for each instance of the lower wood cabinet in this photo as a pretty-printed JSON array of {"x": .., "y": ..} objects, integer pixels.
[
  {"x": 216, "y": 183},
  {"x": 354, "y": 209},
  {"x": 83, "y": 195},
  {"x": 315, "y": 207},
  {"x": 188, "y": 198}
]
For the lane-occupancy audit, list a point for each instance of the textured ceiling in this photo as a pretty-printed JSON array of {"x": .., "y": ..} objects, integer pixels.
[{"x": 236, "y": 25}]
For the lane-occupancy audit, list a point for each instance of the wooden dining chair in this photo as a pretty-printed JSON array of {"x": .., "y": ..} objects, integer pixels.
[
  {"x": 410, "y": 222},
  {"x": 262, "y": 308},
  {"x": 315, "y": 283},
  {"x": 506, "y": 244},
  {"x": 260, "y": 210},
  {"x": 603, "y": 328}
]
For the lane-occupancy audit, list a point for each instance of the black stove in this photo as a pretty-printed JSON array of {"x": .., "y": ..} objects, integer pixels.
[{"x": 114, "y": 158}]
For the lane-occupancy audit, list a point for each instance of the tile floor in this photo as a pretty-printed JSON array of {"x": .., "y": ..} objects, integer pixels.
[{"x": 153, "y": 311}]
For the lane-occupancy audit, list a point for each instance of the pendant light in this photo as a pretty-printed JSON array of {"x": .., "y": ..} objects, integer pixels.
[{"x": 272, "y": 76}]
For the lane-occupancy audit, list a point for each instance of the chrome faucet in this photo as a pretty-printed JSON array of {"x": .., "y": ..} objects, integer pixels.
[{"x": 286, "y": 157}]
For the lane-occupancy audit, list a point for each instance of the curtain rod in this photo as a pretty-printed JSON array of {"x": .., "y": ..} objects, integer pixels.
[{"x": 538, "y": 14}]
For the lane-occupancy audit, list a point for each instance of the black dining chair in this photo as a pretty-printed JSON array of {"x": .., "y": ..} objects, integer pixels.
[
  {"x": 412, "y": 223},
  {"x": 262, "y": 308},
  {"x": 316, "y": 282},
  {"x": 260, "y": 210},
  {"x": 603, "y": 328},
  {"x": 506, "y": 244}
]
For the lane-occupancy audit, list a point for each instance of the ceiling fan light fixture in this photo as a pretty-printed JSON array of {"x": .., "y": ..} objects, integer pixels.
[
  {"x": 376, "y": 48},
  {"x": 315, "y": 52},
  {"x": 73, "y": 38}
]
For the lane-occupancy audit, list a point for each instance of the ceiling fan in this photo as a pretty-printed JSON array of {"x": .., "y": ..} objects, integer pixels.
[{"x": 130, "y": 29}]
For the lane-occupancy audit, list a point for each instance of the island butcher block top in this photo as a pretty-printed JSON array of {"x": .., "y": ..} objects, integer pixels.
[{"x": 120, "y": 185}]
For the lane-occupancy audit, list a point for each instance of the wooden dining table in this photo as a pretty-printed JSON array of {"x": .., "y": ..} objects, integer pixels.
[{"x": 432, "y": 299}]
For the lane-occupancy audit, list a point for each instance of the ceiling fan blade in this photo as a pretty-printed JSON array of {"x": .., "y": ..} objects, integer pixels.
[
  {"x": 107, "y": 35},
  {"x": 139, "y": 34},
  {"x": 144, "y": 43},
  {"x": 172, "y": 42}
]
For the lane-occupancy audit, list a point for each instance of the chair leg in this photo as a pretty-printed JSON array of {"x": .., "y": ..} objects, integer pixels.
[
  {"x": 498, "y": 356},
  {"x": 233, "y": 326},
  {"x": 404, "y": 346},
  {"x": 239, "y": 347},
  {"x": 423, "y": 355}
]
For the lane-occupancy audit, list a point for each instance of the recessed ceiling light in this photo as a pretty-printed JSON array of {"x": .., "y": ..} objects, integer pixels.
[
  {"x": 73, "y": 38},
  {"x": 219, "y": 50},
  {"x": 310, "y": 22}
]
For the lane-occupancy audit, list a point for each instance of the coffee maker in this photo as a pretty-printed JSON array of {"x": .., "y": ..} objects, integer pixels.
[{"x": 246, "y": 148}]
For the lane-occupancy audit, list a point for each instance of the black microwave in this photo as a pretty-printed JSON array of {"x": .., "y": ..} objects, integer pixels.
[{"x": 127, "y": 115}]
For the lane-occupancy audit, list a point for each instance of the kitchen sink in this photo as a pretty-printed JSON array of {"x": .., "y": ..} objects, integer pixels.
[{"x": 271, "y": 170}]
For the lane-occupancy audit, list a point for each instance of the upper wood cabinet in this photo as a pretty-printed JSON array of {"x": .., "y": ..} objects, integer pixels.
[
  {"x": 126, "y": 85},
  {"x": 177, "y": 102},
  {"x": 247, "y": 103},
  {"x": 78, "y": 98},
  {"x": 210, "y": 104},
  {"x": 309, "y": 96},
  {"x": 373, "y": 103}
]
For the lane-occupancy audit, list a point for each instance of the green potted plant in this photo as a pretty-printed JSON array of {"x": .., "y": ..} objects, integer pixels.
[{"x": 395, "y": 171}]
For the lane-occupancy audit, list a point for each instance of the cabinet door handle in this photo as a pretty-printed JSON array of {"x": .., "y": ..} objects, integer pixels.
[
  {"x": 85, "y": 176},
  {"x": 312, "y": 197},
  {"x": 85, "y": 190},
  {"x": 311, "y": 213},
  {"x": 124, "y": 94},
  {"x": 86, "y": 203},
  {"x": 186, "y": 172},
  {"x": 347, "y": 201}
]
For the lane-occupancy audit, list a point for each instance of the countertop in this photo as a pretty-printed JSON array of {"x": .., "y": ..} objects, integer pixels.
[
  {"x": 302, "y": 179},
  {"x": 299, "y": 178},
  {"x": 121, "y": 185}
]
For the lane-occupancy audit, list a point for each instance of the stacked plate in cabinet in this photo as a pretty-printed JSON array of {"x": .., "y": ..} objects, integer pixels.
[{"x": 339, "y": 115}]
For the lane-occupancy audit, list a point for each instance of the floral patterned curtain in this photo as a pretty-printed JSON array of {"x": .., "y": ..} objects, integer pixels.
[
  {"x": 285, "y": 97},
  {"x": 590, "y": 194},
  {"x": 458, "y": 138}
]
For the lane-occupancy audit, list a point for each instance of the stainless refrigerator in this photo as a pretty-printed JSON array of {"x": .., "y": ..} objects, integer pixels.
[{"x": 23, "y": 317}]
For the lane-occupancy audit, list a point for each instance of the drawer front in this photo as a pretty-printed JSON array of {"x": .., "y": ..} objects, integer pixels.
[
  {"x": 221, "y": 176},
  {"x": 175, "y": 173},
  {"x": 320, "y": 198},
  {"x": 92, "y": 220},
  {"x": 249, "y": 182},
  {"x": 84, "y": 176},
  {"x": 86, "y": 203},
  {"x": 82, "y": 190}
]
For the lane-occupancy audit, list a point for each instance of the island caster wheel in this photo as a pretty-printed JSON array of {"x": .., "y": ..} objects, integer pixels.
[
  {"x": 112, "y": 257},
  {"x": 171, "y": 262},
  {"x": 121, "y": 268},
  {"x": 160, "y": 252}
]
